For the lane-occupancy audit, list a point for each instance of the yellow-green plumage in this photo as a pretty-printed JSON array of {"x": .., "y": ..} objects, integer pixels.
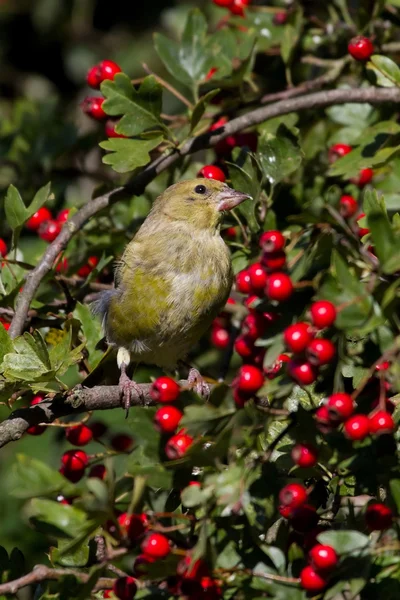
[{"x": 174, "y": 276}]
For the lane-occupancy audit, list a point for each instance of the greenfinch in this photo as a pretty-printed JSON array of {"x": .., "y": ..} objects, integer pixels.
[{"x": 172, "y": 280}]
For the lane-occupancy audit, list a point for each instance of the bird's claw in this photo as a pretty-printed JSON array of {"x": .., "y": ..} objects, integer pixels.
[
  {"x": 197, "y": 384},
  {"x": 127, "y": 387}
]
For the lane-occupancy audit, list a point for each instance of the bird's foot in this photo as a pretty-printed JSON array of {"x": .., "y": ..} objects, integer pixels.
[
  {"x": 197, "y": 384},
  {"x": 128, "y": 388}
]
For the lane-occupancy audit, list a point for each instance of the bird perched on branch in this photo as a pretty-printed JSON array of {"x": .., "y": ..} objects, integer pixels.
[{"x": 173, "y": 279}]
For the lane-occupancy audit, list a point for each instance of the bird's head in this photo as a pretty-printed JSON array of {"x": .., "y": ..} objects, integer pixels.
[{"x": 200, "y": 202}]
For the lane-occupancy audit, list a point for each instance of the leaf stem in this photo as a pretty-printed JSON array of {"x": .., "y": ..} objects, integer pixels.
[{"x": 168, "y": 87}]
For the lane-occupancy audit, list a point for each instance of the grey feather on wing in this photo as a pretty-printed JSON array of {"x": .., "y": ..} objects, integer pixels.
[{"x": 100, "y": 305}]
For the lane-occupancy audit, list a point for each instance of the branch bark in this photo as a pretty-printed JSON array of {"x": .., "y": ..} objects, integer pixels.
[{"x": 372, "y": 95}]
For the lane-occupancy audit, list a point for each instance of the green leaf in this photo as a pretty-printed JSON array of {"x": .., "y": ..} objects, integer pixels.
[
  {"x": 64, "y": 518},
  {"x": 30, "y": 359},
  {"x": 193, "y": 496},
  {"x": 245, "y": 178},
  {"x": 198, "y": 418},
  {"x": 386, "y": 71},
  {"x": 344, "y": 542},
  {"x": 353, "y": 115},
  {"x": 128, "y": 155},
  {"x": 279, "y": 155},
  {"x": 141, "y": 109},
  {"x": 17, "y": 564},
  {"x": 30, "y": 477},
  {"x": 15, "y": 209},
  {"x": 92, "y": 330},
  {"x": 394, "y": 485},
  {"x": 73, "y": 558},
  {"x": 383, "y": 237},
  {"x": 200, "y": 108},
  {"x": 40, "y": 198},
  {"x": 5, "y": 344}
]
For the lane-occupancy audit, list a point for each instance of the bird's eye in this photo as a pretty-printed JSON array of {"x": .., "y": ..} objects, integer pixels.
[{"x": 200, "y": 189}]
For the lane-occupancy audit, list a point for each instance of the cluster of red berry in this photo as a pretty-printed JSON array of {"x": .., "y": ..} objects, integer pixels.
[
  {"x": 303, "y": 518},
  {"x": 167, "y": 418},
  {"x": 45, "y": 225},
  {"x": 93, "y": 105},
  {"x": 236, "y": 7}
]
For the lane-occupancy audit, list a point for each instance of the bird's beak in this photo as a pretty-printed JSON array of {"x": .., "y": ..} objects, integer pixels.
[{"x": 228, "y": 199}]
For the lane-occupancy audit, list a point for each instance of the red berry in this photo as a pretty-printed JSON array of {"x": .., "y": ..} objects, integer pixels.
[
  {"x": 381, "y": 422},
  {"x": 108, "y": 69},
  {"x": 79, "y": 435},
  {"x": 93, "y": 78},
  {"x": 274, "y": 370},
  {"x": 164, "y": 389},
  {"x": 304, "y": 455},
  {"x": 383, "y": 366},
  {"x": 98, "y": 429},
  {"x": 311, "y": 581},
  {"x": 348, "y": 206},
  {"x": 62, "y": 264},
  {"x": 357, "y": 427},
  {"x": 3, "y": 247},
  {"x": 125, "y": 588},
  {"x": 85, "y": 270},
  {"x": 224, "y": 3},
  {"x": 167, "y": 419},
  {"x": 320, "y": 352},
  {"x": 121, "y": 442},
  {"x": 107, "y": 593},
  {"x": 302, "y": 372},
  {"x": 244, "y": 346},
  {"x": 156, "y": 546},
  {"x": 323, "y": 558},
  {"x": 5, "y": 324},
  {"x": 98, "y": 471},
  {"x": 229, "y": 233},
  {"x": 109, "y": 129},
  {"x": 220, "y": 338},
  {"x": 93, "y": 107},
  {"x": 36, "y": 400},
  {"x": 304, "y": 518},
  {"x": 249, "y": 379},
  {"x": 337, "y": 151},
  {"x": 297, "y": 336},
  {"x": 360, "y": 47},
  {"x": 258, "y": 277},
  {"x": 49, "y": 230},
  {"x": 293, "y": 495},
  {"x": 178, "y": 445},
  {"x": 280, "y": 18},
  {"x": 243, "y": 283},
  {"x": 40, "y": 216},
  {"x": 361, "y": 231},
  {"x": 340, "y": 406},
  {"x": 254, "y": 326},
  {"x": 322, "y": 415},
  {"x": 364, "y": 177},
  {"x": 323, "y": 314},
  {"x": 273, "y": 261},
  {"x": 209, "y": 76},
  {"x": 279, "y": 287},
  {"x": 133, "y": 526},
  {"x": 272, "y": 241},
  {"x": 237, "y": 7},
  {"x": 378, "y": 517},
  {"x": 36, "y": 429},
  {"x": 212, "y": 172},
  {"x": 74, "y": 460}
]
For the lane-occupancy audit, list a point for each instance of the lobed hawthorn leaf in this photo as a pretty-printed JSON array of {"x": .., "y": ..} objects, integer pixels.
[
  {"x": 68, "y": 520},
  {"x": 385, "y": 69},
  {"x": 244, "y": 175},
  {"x": 92, "y": 330},
  {"x": 345, "y": 542},
  {"x": 140, "y": 109},
  {"x": 200, "y": 108},
  {"x": 30, "y": 477},
  {"x": 384, "y": 240},
  {"x": 128, "y": 155},
  {"x": 30, "y": 359},
  {"x": 279, "y": 155},
  {"x": 74, "y": 558}
]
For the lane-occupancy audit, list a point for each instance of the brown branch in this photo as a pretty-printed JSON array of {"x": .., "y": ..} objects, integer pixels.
[
  {"x": 44, "y": 573},
  {"x": 372, "y": 95}
]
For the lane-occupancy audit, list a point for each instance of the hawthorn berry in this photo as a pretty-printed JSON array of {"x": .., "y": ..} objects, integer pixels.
[
  {"x": 125, "y": 588},
  {"x": 258, "y": 277},
  {"x": 244, "y": 346},
  {"x": 337, "y": 151},
  {"x": 178, "y": 445},
  {"x": 209, "y": 76},
  {"x": 121, "y": 442},
  {"x": 323, "y": 558},
  {"x": 98, "y": 429},
  {"x": 237, "y": 7},
  {"x": 224, "y": 3},
  {"x": 98, "y": 471},
  {"x": 381, "y": 422},
  {"x": 249, "y": 379},
  {"x": 106, "y": 69},
  {"x": 156, "y": 545},
  {"x": 280, "y": 18},
  {"x": 40, "y": 216},
  {"x": 272, "y": 241},
  {"x": 62, "y": 265},
  {"x": 73, "y": 464},
  {"x": 323, "y": 314},
  {"x": 62, "y": 216},
  {"x": 212, "y": 172},
  {"x": 93, "y": 107},
  {"x": 79, "y": 435},
  {"x": 220, "y": 337},
  {"x": 36, "y": 429},
  {"x": 273, "y": 261},
  {"x": 109, "y": 129},
  {"x": 167, "y": 419},
  {"x": 348, "y": 206},
  {"x": 293, "y": 495},
  {"x": 297, "y": 337},
  {"x": 340, "y": 406},
  {"x": 274, "y": 370},
  {"x": 86, "y": 269},
  {"x": 49, "y": 230},
  {"x": 3, "y": 248},
  {"x": 357, "y": 427},
  {"x": 320, "y": 352},
  {"x": 364, "y": 177},
  {"x": 304, "y": 455},
  {"x": 279, "y": 287},
  {"x": 133, "y": 526},
  {"x": 164, "y": 389},
  {"x": 378, "y": 516},
  {"x": 254, "y": 326},
  {"x": 302, "y": 372},
  {"x": 361, "y": 231},
  {"x": 243, "y": 283},
  {"x": 107, "y": 593},
  {"x": 311, "y": 581},
  {"x": 5, "y": 324},
  {"x": 360, "y": 48}
]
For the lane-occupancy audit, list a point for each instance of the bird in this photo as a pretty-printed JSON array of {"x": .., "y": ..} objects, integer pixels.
[{"x": 174, "y": 277}]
